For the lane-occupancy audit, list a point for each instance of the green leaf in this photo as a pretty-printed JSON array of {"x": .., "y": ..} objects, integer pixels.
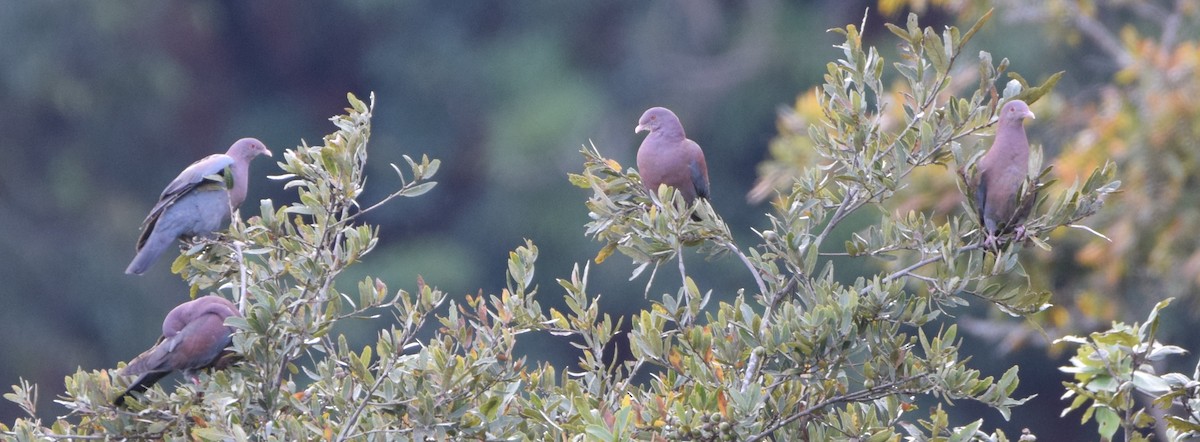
[
  {"x": 209, "y": 434},
  {"x": 418, "y": 189},
  {"x": 1033, "y": 94},
  {"x": 975, "y": 28},
  {"x": 966, "y": 432},
  {"x": 1108, "y": 420},
  {"x": 1182, "y": 425},
  {"x": 490, "y": 407},
  {"x": 1149, "y": 383},
  {"x": 1150, "y": 328},
  {"x": 431, "y": 168},
  {"x": 935, "y": 51},
  {"x": 599, "y": 433}
]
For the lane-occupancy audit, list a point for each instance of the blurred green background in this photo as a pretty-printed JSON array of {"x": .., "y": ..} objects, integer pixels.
[{"x": 105, "y": 102}]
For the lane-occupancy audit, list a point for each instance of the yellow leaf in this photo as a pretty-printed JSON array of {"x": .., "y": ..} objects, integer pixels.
[
  {"x": 605, "y": 252},
  {"x": 675, "y": 359},
  {"x": 179, "y": 264},
  {"x": 558, "y": 318}
]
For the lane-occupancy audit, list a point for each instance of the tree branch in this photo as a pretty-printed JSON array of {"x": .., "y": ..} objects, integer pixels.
[
  {"x": 851, "y": 397},
  {"x": 762, "y": 287},
  {"x": 922, "y": 263},
  {"x": 756, "y": 356},
  {"x": 352, "y": 421},
  {"x": 687, "y": 296},
  {"x": 390, "y": 197},
  {"x": 237, "y": 248}
]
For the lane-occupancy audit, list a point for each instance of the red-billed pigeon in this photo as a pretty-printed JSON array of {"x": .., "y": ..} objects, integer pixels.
[
  {"x": 193, "y": 205},
  {"x": 194, "y": 337},
  {"x": 1001, "y": 172},
  {"x": 666, "y": 156}
]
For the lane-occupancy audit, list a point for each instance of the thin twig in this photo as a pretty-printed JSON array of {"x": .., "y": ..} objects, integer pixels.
[
  {"x": 751, "y": 368},
  {"x": 352, "y": 421},
  {"x": 237, "y": 248},
  {"x": 928, "y": 280},
  {"x": 851, "y": 397},
  {"x": 653, "y": 272},
  {"x": 687, "y": 295},
  {"x": 330, "y": 243},
  {"x": 762, "y": 287},
  {"x": 235, "y": 218},
  {"x": 682, "y": 269},
  {"x": 843, "y": 209},
  {"x": 390, "y": 197},
  {"x": 924, "y": 262},
  {"x": 756, "y": 357},
  {"x": 778, "y": 296},
  {"x": 624, "y": 385}
]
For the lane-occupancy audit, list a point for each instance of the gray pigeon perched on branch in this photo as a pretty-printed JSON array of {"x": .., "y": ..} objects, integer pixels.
[
  {"x": 193, "y": 205},
  {"x": 1001, "y": 173},
  {"x": 194, "y": 337},
  {"x": 666, "y": 156}
]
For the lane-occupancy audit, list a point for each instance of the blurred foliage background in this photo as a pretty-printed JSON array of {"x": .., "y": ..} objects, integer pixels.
[{"x": 105, "y": 103}]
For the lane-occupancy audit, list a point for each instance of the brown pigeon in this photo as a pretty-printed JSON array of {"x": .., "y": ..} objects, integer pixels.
[
  {"x": 1001, "y": 172},
  {"x": 193, "y": 205},
  {"x": 194, "y": 337},
  {"x": 666, "y": 156}
]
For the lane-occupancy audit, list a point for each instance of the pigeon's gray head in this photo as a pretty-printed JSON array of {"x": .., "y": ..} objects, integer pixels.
[
  {"x": 248, "y": 148},
  {"x": 1014, "y": 112},
  {"x": 657, "y": 118}
]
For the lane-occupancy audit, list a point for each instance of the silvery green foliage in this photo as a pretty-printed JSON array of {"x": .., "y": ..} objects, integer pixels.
[
  {"x": 799, "y": 357},
  {"x": 1112, "y": 369},
  {"x": 295, "y": 380},
  {"x": 804, "y": 357}
]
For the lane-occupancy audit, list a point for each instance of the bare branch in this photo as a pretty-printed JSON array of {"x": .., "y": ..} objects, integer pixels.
[
  {"x": 762, "y": 287},
  {"x": 752, "y": 366},
  {"x": 922, "y": 263}
]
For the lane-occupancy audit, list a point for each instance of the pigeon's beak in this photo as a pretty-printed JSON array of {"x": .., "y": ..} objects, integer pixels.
[
  {"x": 640, "y": 128},
  {"x": 1030, "y": 115},
  {"x": 267, "y": 152}
]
